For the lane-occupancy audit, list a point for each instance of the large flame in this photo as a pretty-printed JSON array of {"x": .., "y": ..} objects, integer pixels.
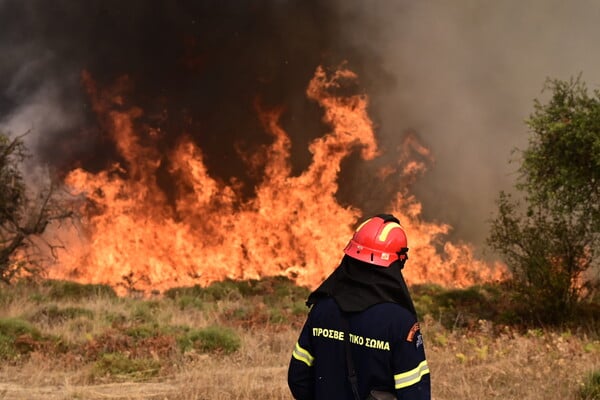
[{"x": 137, "y": 236}]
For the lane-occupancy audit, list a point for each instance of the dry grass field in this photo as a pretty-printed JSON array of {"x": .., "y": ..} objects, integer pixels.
[{"x": 232, "y": 340}]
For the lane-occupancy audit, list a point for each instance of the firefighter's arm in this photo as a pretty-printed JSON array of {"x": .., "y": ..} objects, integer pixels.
[
  {"x": 301, "y": 371},
  {"x": 411, "y": 371}
]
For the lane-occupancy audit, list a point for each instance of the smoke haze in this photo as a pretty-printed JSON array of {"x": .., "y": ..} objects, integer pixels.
[
  {"x": 460, "y": 75},
  {"x": 466, "y": 74}
]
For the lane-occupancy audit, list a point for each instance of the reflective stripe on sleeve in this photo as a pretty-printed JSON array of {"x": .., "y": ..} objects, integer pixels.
[
  {"x": 411, "y": 377},
  {"x": 303, "y": 355}
]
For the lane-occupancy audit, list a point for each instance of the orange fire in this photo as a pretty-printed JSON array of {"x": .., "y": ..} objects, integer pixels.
[{"x": 136, "y": 237}]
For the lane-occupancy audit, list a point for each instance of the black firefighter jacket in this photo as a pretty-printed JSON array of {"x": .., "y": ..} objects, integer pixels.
[{"x": 386, "y": 347}]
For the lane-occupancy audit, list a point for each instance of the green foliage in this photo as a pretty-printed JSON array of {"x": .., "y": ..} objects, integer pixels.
[
  {"x": 67, "y": 290},
  {"x": 186, "y": 302},
  {"x": 14, "y": 327},
  {"x": 145, "y": 311},
  {"x": 551, "y": 235},
  {"x": 144, "y": 331},
  {"x": 279, "y": 290},
  {"x": 52, "y": 314},
  {"x": 591, "y": 387},
  {"x": 16, "y": 338},
  {"x": 460, "y": 308},
  {"x": 115, "y": 318},
  {"x": 271, "y": 288},
  {"x": 284, "y": 300},
  {"x": 223, "y": 290},
  {"x": 186, "y": 291},
  {"x": 6, "y": 296},
  {"x": 8, "y": 350},
  {"x": 118, "y": 365},
  {"x": 213, "y": 339},
  {"x": 562, "y": 162}
]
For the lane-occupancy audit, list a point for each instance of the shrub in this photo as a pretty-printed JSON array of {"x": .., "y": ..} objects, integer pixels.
[
  {"x": 273, "y": 289},
  {"x": 188, "y": 291},
  {"x": 186, "y": 301},
  {"x": 145, "y": 311},
  {"x": 52, "y": 314},
  {"x": 547, "y": 231},
  {"x": 212, "y": 339},
  {"x": 67, "y": 290},
  {"x": 143, "y": 331},
  {"x": 8, "y": 350},
  {"x": 115, "y": 318},
  {"x": 118, "y": 365},
  {"x": 14, "y": 327},
  {"x": 591, "y": 387},
  {"x": 462, "y": 307},
  {"x": 17, "y": 337}
]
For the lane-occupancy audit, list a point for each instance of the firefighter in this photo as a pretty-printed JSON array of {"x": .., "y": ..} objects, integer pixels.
[{"x": 361, "y": 339}]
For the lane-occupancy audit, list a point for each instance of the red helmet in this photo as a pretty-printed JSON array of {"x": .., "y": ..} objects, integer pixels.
[{"x": 379, "y": 240}]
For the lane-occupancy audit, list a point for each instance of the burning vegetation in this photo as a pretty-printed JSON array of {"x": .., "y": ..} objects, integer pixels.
[{"x": 157, "y": 219}]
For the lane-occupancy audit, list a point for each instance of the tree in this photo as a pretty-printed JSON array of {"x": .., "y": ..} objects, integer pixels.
[
  {"x": 24, "y": 215},
  {"x": 550, "y": 236}
]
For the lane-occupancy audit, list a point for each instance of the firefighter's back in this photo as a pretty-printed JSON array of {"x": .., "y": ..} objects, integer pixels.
[{"x": 374, "y": 335}]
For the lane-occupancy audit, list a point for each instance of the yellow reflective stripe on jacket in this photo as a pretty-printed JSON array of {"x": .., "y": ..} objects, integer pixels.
[
  {"x": 411, "y": 377},
  {"x": 303, "y": 355}
]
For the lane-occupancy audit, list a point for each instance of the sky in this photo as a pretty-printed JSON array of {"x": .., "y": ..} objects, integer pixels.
[{"x": 460, "y": 75}]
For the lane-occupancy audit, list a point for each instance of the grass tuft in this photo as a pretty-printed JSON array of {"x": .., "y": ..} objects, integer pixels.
[
  {"x": 121, "y": 367},
  {"x": 145, "y": 311},
  {"x": 17, "y": 337},
  {"x": 16, "y": 327},
  {"x": 214, "y": 339},
  {"x": 67, "y": 290},
  {"x": 591, "y": 387},
  {"x": 54, "y": 315}
]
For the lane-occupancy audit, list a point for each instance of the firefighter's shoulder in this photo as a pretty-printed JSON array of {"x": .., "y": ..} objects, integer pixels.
[
  {"x": 325, "y": 306},
  {"x": 393, "y": 312}
]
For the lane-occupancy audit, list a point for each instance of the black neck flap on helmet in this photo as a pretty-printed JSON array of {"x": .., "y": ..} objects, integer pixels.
[
  {"x": 356, "y": 285},
  {"x": 388, "y": 218}
]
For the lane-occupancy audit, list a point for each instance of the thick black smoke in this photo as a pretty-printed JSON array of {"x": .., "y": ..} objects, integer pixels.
[
  {"x": 462, "y": 76},
  {"x": 198, "y": 67}
]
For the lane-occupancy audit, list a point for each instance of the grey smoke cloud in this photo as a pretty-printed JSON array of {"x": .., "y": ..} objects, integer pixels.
[
  {"x": 465, "y": 76},
  {"x": 461, "y": 74},
  {"x": 41, "y": 112}
]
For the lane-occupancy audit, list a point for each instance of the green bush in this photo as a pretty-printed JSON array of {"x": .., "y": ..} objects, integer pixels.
[
  {"x": 547, "y": 229},
  {"x": 213, "y": 339},
  {"x": 118, "y": 365},
  {"x": 67, "y": 290},
  {"x": 185, "y": 302},
  {"x": 115, "y": 318},
  {"x": 279, "y": 289},
  {"x": 277, "y": 316},
  {"x": 52, "y": 314},
  {"x": 188, "y": 291},
  {"x": 273, "y": 289},
  {"x": 143, "y": 331},
  {"x": 456, "y": 308},
  {"x": 145, "y": 311},
  {"x": 8, "y": 351},
  {"x": 591, "y": 387},
  {"x": 14, "y": 327},
  {"x": 11, "y": 330},
  {"x": 227, "y": 289},
  {"x": 6, "y": 296},
  {"x": 424, "y": 298}
]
